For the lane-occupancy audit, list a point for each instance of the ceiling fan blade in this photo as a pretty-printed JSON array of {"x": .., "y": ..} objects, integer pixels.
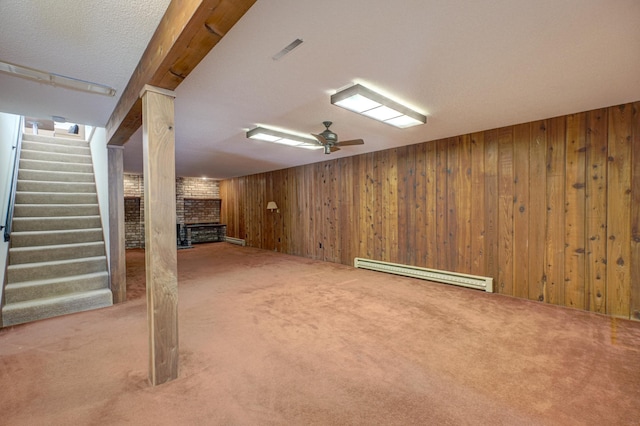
[
  {"x": 334, "y": 148},
  {"x": 351, "y": 142},
  {"x": 320, "y": 138}
]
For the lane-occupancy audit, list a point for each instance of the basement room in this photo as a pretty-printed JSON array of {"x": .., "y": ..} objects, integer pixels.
[{"x": 258, "y": 212}]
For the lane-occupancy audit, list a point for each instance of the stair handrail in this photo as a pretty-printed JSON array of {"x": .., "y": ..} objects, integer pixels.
[{"x": 14, "y": 181}]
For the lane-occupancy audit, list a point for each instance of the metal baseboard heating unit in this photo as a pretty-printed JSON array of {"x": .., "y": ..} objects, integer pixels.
[
  {"x": 237, "y": 241},
  {"x": 464, "y": 280}
]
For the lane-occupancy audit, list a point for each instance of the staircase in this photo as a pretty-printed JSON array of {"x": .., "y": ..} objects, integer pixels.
[{"x": 57, "y": 260}]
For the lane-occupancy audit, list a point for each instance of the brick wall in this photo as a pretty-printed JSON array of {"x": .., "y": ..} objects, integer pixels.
[
  {"x": 197, "y": 201},
  {"x": 133, "y": 211},
  {"x": 201, "y": 211}
]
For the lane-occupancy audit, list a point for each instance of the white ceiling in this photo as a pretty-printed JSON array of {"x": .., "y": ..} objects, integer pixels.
[
  {"x": 92, "y": 40},
  {"x": 468, "y": 65}
]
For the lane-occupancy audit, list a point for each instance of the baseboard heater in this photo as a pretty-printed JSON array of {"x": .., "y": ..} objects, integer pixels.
[
  {"x": 447, "y": 277},
  {"x": 237, "y": 241}
]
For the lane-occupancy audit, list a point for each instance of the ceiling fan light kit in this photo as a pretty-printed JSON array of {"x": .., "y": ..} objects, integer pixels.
[
  {"x": 283, "y": 138},
  {"x": 329, "y": 140},
  {"x": 362, "y": 100}
]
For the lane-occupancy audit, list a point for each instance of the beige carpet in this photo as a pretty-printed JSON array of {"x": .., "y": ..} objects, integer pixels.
[{"x": 270, "y": 339}]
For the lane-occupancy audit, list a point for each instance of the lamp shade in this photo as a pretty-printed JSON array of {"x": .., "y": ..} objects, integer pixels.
[{"x": 271, "y": 205}]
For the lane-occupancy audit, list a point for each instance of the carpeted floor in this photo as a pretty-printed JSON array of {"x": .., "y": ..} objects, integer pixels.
[{"x": 271, "y": 339}]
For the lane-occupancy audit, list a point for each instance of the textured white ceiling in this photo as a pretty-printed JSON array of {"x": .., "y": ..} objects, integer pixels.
[
  {"x": 469, "y": 65},
  {"x": 92, "y": 40}
]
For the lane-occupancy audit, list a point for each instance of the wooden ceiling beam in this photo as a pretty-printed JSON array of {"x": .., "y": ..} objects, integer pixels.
[{"x": 188, "y": 30}]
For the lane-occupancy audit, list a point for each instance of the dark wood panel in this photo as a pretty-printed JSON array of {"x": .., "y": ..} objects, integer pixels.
[
  {"x": 420, "y": 228},
  {"x": 619, "y": 206},
  {"x": 431, "y": 213},
  {"x": 478, "y": 246},
  {"x": 505, "y": 211},
  {"x": 442, "y": 190},
  {"x": 574, "y": 219},
  {"x": 521, "y": 205},
  {"x": 537, "y": 210},
  {"x": 596, "y": 211},
  {"x": 635, "y": 213},
  {"x": 554, "y": 236},
  {"x": 491, "y": 205},
  {"x": 406, "y": 205},
  {"x": 459, "y": 203}
]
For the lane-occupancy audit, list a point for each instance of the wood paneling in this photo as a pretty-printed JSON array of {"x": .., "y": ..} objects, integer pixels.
[
  {"x": 574, "y": 220},
  {"x": 549, "y": 209},
  {"x": 554, "y": 235},
  {"x": 478, "y": 245},
  {"x": 442, "y": 190},
  {"x": 505, "y": 210},
  {"x": 619, "y": 206},
  {"x": 491, "y": 205},
  {"x": 635, "y": 213},
  {"x": 430, "y": 220},
  {"x": 521, "y": 206},
  {"x": 537, "y": 209},
  {"x": 596, "y": 211}
]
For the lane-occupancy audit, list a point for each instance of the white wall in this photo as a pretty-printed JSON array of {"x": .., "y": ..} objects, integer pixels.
[
  {"x": 9, "y": 129},
  {"x": 98, "y": 143}
]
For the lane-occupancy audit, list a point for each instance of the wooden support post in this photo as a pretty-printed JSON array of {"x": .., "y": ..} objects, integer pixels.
[
  {"x": 117, "y": 262},
  {"x": 158, "y": 146}
]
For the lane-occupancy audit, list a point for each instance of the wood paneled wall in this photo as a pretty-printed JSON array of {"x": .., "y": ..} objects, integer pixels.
[{"x": 549, "y": 209}]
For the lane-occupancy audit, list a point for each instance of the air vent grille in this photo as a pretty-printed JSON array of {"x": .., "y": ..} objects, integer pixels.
[{"x": 295, "y": 43}]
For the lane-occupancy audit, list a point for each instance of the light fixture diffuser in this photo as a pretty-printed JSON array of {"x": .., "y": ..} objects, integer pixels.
[
  {"x": 362, "y": 100},
  {"x": 283, "y": 138},
  {"x": 56, "y": 79}
]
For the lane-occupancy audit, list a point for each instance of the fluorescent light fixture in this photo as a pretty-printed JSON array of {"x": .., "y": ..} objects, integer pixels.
[
  {"x": 283, "y": 138},
  {"x": 56, "y": 79},
  {"x": 358, "y": 98}
]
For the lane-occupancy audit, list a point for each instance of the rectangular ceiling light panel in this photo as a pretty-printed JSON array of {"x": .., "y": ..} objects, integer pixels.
[
  {"x": 362, "y": 100},
  {"x": 283, "y": 138},
  {"x": 56, "y": 79}
]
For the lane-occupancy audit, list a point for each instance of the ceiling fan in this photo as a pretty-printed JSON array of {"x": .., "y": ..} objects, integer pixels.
[{"x": 329, "y": 140}]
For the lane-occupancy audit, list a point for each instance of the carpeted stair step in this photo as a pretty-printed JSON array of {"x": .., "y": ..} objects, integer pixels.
[
  {"x": 56, "y": 148},
  {"x": 18, "y": 313},
  {"x": 45, "y": 175},
  {"x": 19, "y": 255},
  {"x": 52, "y": 156},
  {"x": 57, "y": 257},
  {"x": 40, "y": 210},
  {"x": 55, "y": 198},
  {"x": 46, "y": 186},
  {"x": 57, "y": 268},
  {"x": 55, "y": 166},
  {"x": 55, "y": 287},
  {"x": 56, "y": 140},
  {"x": 42, "y": 238},
  {"x": 21, "y": 224}
]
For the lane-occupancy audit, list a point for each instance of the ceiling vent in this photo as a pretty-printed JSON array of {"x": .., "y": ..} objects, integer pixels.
[{"x": 295, "y": 43}]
